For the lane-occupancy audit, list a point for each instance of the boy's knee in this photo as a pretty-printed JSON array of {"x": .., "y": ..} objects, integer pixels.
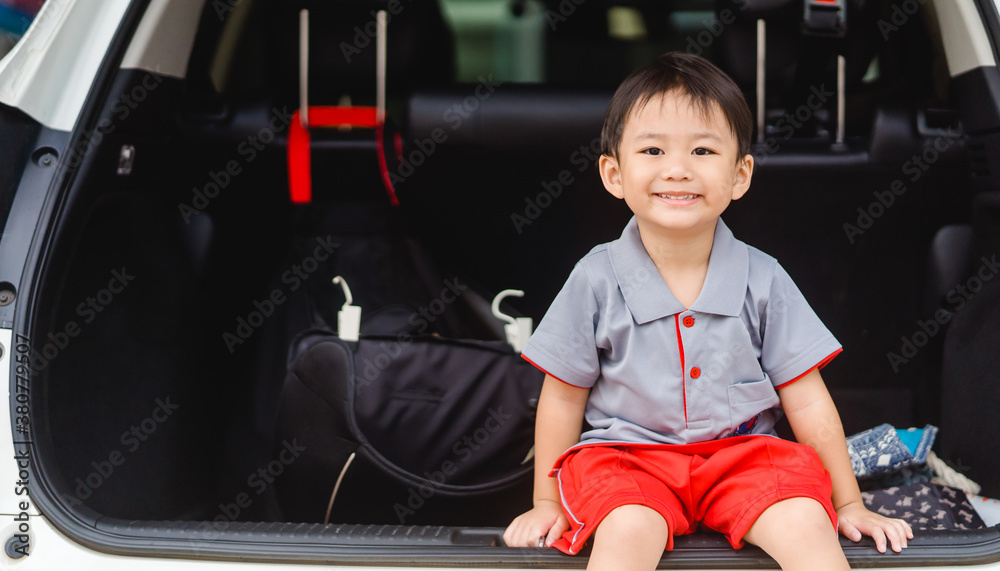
[
  {"x": 629, "y": 522},
  {"x": 801, "y": 517},
  {"x": 798, "y": 533}
]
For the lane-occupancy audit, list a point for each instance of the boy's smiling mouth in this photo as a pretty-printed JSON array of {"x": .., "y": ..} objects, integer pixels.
[{"x": 676, "y": 196}]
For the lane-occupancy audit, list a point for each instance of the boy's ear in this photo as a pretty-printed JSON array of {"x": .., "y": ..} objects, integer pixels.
[
  {"x": 611, "y": 175},
  {"x": 741, "y": 181}
]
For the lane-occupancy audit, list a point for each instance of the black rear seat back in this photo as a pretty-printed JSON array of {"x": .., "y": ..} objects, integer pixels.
[
  {"x": 970, "y": 381},
  {"x": 507, "y": 183},
  {"x": 950, "y": 263},
  {"x": 808, "y": 195}
]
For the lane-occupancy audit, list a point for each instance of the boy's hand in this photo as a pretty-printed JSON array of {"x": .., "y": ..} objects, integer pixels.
[
  {"x": 546, "y": 520},
  {"x": 856, "y": 519}
]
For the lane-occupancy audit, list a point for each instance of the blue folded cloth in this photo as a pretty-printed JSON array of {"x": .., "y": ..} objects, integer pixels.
[{"x": 885, "y": 449}]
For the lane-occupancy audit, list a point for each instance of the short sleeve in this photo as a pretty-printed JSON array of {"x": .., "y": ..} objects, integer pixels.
[
  {"x": 564, "y": 344},
  {"x": 794, "y": 339}
]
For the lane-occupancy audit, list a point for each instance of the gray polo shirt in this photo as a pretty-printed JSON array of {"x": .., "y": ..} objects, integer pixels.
[{"x": 660, "y": 373}]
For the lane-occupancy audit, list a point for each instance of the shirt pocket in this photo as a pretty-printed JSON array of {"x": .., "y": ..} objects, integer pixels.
[{"x": 750, "y": 398}]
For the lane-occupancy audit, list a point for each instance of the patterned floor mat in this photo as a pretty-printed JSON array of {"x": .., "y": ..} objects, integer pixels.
[{"x": 925, "y": 506}]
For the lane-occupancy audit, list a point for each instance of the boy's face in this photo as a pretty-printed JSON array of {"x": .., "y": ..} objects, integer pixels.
[{"x": 677, "y": 169}]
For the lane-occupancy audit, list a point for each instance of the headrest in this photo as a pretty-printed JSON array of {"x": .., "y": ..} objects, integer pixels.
[
  {"x": 510, "y": 117},
  {"x": 342, "y": 47},
  {"x": 753, "y": 9}
]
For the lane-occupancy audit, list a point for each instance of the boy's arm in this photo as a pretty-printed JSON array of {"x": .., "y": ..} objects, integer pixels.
[
  {"x": 557, "y": 427},
  {"x": 816, "y": 423}
]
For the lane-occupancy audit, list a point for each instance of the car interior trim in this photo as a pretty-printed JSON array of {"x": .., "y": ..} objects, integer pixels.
[
  {"x": 163, "y": 42},
  {"x": 37, "y": 76},
  {"x": 966, "y": 44}
]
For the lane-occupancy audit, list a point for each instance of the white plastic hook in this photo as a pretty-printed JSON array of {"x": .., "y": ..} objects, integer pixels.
[
  {"x": 518, "y": 330},
  {"x": 347, "y": 290},
  {"x": 500, "y": 297},
  {"x": 349, "y": 316}
]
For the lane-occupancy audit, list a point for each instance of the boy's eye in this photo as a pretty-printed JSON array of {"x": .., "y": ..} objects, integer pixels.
[
  {"x": 702, "y": 151},
  {"x": 652, "y": 151}
]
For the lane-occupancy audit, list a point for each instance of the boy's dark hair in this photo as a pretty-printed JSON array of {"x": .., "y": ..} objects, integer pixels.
[{"x": 695, "y": 76}]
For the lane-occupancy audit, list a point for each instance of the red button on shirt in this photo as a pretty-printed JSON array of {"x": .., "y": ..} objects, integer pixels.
[
  {"x": 688, "y": 321},
  {"x": 695, "y": 372}
]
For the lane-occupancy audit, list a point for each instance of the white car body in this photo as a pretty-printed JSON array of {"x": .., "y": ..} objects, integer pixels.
[{"x": 49, "y": 76}]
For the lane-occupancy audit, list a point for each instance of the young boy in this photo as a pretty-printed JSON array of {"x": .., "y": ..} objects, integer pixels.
[{"x": 680, "y": 346}]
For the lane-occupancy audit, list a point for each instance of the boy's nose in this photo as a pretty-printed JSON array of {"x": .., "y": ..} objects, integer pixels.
[{"x": 676, "y": 168}]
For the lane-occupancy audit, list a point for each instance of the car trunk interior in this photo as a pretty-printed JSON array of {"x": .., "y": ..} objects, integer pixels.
[{"x": 178, "y": 230}]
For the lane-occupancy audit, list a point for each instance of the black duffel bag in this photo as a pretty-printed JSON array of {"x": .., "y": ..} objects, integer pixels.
[{"x": 406, "y": 430}]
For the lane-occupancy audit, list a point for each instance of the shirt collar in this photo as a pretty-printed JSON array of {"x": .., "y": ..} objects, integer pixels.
[{"x": 647, "y": 295}]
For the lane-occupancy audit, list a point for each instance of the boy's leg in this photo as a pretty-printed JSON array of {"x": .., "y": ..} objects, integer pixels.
[
  {"x": 797, "y": 533},
  {"x": 631, "y": 537}
]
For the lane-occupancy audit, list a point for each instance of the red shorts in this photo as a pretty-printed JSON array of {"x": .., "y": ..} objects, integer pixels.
[{"x": 723, "y": 485}]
